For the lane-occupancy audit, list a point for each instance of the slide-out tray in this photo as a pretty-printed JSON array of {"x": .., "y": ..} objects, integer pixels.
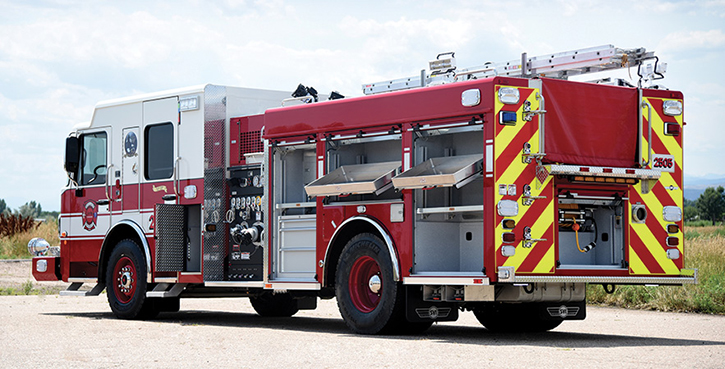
[
  {"x": 355, "y": 179},
  {"x": 440, "y": 172}
]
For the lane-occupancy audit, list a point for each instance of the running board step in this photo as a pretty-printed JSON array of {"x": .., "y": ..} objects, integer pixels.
[
  {"x": 163, "y": 290},
  {"x": 72, "y": 290}
]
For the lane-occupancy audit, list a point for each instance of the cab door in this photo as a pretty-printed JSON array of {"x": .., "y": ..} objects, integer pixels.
[{"x": 92, "y": 204}]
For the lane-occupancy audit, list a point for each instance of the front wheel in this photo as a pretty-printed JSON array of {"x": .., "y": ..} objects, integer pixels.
[
  {"x": 369, "y": 299},
  {"x": 126, "y": 283}
]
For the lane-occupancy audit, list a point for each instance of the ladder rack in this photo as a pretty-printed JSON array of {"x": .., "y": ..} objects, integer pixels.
[{"x": 561, "y": 65}]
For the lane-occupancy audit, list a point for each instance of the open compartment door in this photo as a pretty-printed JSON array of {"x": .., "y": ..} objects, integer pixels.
[
  {"x": 355, "y": 179},
  {"x": 441, "y": 172}
]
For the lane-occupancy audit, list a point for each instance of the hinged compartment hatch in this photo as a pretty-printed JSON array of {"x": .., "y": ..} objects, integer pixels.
[
  {"x": 355, "y": 179},
  {"x": 441, "y": 172}
]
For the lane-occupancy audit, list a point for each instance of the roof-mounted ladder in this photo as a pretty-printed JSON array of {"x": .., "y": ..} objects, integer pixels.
[{"x": 561, "y": 65}]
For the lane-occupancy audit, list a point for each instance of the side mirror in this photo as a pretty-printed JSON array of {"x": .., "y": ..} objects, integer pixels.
[{"x": 72, "y": 154}]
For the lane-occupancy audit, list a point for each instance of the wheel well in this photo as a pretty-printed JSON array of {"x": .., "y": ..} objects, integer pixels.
[
  {"x": 118, "y": 233},
  {"x": 349, "y": 231}
]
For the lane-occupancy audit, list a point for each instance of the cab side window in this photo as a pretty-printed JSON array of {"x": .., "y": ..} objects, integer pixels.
[
  {"x": 159, "y": 151},
  {"x": 93, "y": 159}
]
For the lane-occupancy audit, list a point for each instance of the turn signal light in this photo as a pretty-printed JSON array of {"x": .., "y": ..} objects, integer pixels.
[
  {"x": 673, "y": 241},
  {"x": 673, "y": 228},
  {"x": 508, "y": 224}
]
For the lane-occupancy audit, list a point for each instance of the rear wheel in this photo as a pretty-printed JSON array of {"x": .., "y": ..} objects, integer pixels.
[
  {"x": 274, "y": 305},
  {"x": 126, "y": 283},
  {"x": 369, "y": 299},
  {"x": 509, "y": 318}
]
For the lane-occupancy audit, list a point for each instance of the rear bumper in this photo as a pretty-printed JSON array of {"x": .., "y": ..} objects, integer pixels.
[
  {"x": 687, "y": 276},
  {"x": 46, "y": 268}
]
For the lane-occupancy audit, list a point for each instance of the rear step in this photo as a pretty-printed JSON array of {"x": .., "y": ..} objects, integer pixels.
[{"x": 72, "y": 290}]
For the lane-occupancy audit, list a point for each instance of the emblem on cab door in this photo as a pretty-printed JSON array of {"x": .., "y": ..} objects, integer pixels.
[{"x": 90, "y": 215}]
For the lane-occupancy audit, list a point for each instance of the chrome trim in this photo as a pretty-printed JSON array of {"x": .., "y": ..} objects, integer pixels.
[
  {"x": 386, "y": 238},
  {"x": 293, "y": 286},
  {"x": 253, "y": 284},
  {"x": 450, "y": 281},
  {"x": 144, "y": 244},
  {"x": 82, "y": 280},
  {"x": 679, "y": 280}
]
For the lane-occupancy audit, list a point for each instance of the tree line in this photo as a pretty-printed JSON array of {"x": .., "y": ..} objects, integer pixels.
[
  {"x": 30, "y": 209},
  {"x": 709, "y": 206}
]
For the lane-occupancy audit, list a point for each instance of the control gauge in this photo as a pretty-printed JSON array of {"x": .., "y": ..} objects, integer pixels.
[
  {"x": 256, "y": 181},
  {"x": 130, "y": 143}
]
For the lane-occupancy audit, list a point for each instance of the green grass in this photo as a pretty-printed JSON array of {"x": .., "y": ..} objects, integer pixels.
[{"x": 704, "y": 250}]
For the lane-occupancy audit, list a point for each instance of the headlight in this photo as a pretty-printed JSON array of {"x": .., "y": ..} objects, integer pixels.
[
  {"x": 508, "y": 95},
  {"x": 38, "y": 246},
  {"x": 672, "y": 107}
]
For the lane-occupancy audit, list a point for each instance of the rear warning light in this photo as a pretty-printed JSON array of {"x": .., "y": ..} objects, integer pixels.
[
  {"x": 508, "y": 237},
  {"x": 673, "y": 241},
  {"x": 673, "y": 228},
  {"x": 629, "y": 171},
  {"x": 507, "y": 118},
  {"x": 672, "y": 129},
  {"x": 607, "y": 170},
  {"x": 583, "y": 169}
]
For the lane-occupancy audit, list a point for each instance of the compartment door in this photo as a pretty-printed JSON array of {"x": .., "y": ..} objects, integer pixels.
[{"x": 520, "y": 185}]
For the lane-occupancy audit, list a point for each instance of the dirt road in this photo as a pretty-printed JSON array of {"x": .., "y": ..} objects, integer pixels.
[{"x": 52, "y": 331}]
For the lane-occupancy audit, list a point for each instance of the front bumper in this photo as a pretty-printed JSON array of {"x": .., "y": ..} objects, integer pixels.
[{"x": 46, "y": 268}]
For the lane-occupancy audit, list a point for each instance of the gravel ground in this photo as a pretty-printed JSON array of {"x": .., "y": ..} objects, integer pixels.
[{"x": 53, "y": 331}]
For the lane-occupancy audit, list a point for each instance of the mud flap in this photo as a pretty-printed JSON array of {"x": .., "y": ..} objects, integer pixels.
[
  {"x": 417, "y": 310},
  {"x": 562, "y": 310}
]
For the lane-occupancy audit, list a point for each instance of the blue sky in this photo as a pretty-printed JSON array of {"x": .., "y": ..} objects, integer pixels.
[{"x": 59, "y": 58}]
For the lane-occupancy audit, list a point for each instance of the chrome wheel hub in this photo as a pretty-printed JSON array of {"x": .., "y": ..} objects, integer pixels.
[{"x": 374, "y": 284}]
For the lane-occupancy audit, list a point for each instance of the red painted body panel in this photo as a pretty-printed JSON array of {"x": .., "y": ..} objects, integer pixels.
[{"x": 395, "y": 108}]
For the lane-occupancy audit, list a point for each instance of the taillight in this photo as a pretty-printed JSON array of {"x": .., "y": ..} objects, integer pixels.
[
  {"x": 673, "y": 241},
  {"x": 672, "y": 129},
  {"x": 508, "y": 237},
  {"x": 673, "y": 228}
]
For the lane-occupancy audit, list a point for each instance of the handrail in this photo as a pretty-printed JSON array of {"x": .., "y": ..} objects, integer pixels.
[
  {"x": 649, "y": 139},
  {"x": 106, "y": 186}
]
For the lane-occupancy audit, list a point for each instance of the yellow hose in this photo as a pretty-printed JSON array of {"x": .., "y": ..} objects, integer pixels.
[{"x": 575, "y": 227}]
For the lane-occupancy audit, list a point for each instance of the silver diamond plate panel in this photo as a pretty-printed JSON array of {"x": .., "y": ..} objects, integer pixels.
[
  {"x": 170, "y": 244},
  {"x": 215, "y": 187}
]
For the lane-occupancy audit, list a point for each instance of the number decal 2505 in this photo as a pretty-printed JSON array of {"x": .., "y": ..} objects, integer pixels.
[{"x": 664, "y": 163}]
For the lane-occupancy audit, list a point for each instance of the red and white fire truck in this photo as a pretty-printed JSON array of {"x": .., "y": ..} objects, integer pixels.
[{"x": 502, "y": 189}]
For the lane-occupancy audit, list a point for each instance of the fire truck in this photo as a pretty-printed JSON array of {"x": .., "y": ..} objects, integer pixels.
[{"x": 502, "y": 189}]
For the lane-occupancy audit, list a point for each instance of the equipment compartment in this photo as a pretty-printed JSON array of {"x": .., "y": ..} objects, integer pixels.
[
  {"x": 591, "y": 229},
  {"x": 449, "y": 205}
]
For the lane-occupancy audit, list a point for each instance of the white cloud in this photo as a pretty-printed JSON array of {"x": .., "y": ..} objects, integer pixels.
[{"x": 683, "y": 41}]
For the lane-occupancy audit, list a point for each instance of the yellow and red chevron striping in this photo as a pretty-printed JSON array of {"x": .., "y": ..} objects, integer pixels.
[{"x": 511, "y": 170}]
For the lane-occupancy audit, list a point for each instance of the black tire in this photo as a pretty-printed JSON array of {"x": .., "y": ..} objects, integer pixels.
[
  {"x": 126, "y": 283},
  {"x": 274, "y": 305},
  {"x": 514, "y": 318},
  {"x": 363, "y": 310}
]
